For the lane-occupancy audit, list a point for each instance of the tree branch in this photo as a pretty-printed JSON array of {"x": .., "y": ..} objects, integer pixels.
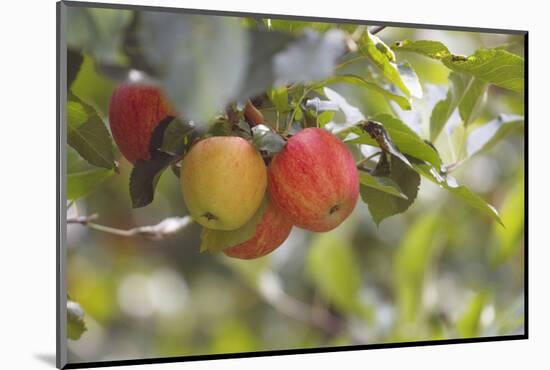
[
  {"x": 374, "y": 30},
  {"x": 83, "y": 220},
  {"x": 167, "y": 227}
]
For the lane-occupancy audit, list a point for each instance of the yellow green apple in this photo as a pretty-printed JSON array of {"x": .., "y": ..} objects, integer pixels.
[{"x": 223, "y": 181}]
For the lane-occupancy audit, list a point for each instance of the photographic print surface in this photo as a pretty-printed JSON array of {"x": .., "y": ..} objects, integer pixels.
[{"x": 240, "y": 184}]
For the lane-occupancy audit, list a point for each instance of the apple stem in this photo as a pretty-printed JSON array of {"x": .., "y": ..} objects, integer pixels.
[{"x": 253, "y": 115}]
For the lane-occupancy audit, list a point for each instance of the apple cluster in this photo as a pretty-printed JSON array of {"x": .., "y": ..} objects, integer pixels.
[{"x": 312, "y": 183}]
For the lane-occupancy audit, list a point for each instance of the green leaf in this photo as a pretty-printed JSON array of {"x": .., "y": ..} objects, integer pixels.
[
  {"x": 443, "y": 110},
  {"x": 215, "y": 241},
  {"x": 383, "y": 204},
  {"x": 465, "y": 92},
  {"x": 404, "y": 138},
  {"x": 325, "y": 117},
  {"x": 407, "y": 140},
  {"x": 170, "y": 139},
  {"x": 145, "y": 176},
  {"x": 332, "y": 267},
  {"x": 175, "y": 168},
  {"x": 74, "y": 62},
  {"x": 484, "y": 138},
  {"x": 352, "y": 115},
  {"x": 242, "y": 129},
  {"x": 98, "y": 32},
  {"x": 384, "y": 184},
  {"x": 80, "y": 184},
  {"x": 410, "y": 79},
  {"x": 472, "y": 100},
  {"x": 298, "y": 116},
  {"x": 412, "y": 261},
  {"x": 220, "y": 128},
  {"x": 279, "y": 98},
  {"x": 495, "y": 66},
  {"x": 381, "y": 55},
  {"x": 468, "y": 323},
  {"x": 177, "y": 136},
  {"x": 449, "y": 183},
  {"x": 295, "y": 26},
  {"x": 78, "y": 112},
  {"x": 509, "y": 239},
  {"x": 431, "y": 49},
  {"x": 87, "y": 134},
  {"x": 251, "y": 22},
  {"x": 265, "y": 139},
  {"x": 193, "y": 56},
  {"x": 402, "y": 101},
  {"x": 75, "y": 320},
  {"x": 374, "y": 133},
  {"x": 92, "y": 87}
]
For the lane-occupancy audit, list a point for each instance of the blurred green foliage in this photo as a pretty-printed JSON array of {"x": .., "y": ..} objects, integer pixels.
[{"x": 441, "y": 270}]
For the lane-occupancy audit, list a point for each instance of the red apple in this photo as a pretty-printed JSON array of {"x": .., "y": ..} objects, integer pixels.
[
  {"x": 271, "y": 232},
  {"x": 314, "y": 180},
  {"x": 134, "y": 112}
]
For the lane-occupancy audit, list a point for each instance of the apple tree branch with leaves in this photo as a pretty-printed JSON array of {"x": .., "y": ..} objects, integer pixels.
[{"x": 244, "y": 115}]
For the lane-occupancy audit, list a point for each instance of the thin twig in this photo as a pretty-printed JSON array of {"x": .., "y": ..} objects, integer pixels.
[
  {"x": 163, "y": 229},
  {"x": 376, "y": 29},
  {"x": 82, "y": 220}
]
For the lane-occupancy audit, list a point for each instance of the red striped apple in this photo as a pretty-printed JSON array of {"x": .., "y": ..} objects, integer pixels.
[
  {"x": 134, "y": 112},
  {"x": 270, "y": 233},
  {"x": 223, "y": 181},
  {"x": 314, "y": 180}
]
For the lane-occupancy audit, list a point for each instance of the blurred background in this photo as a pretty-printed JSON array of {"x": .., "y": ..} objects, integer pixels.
[{"x": 440, "y": 270}]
